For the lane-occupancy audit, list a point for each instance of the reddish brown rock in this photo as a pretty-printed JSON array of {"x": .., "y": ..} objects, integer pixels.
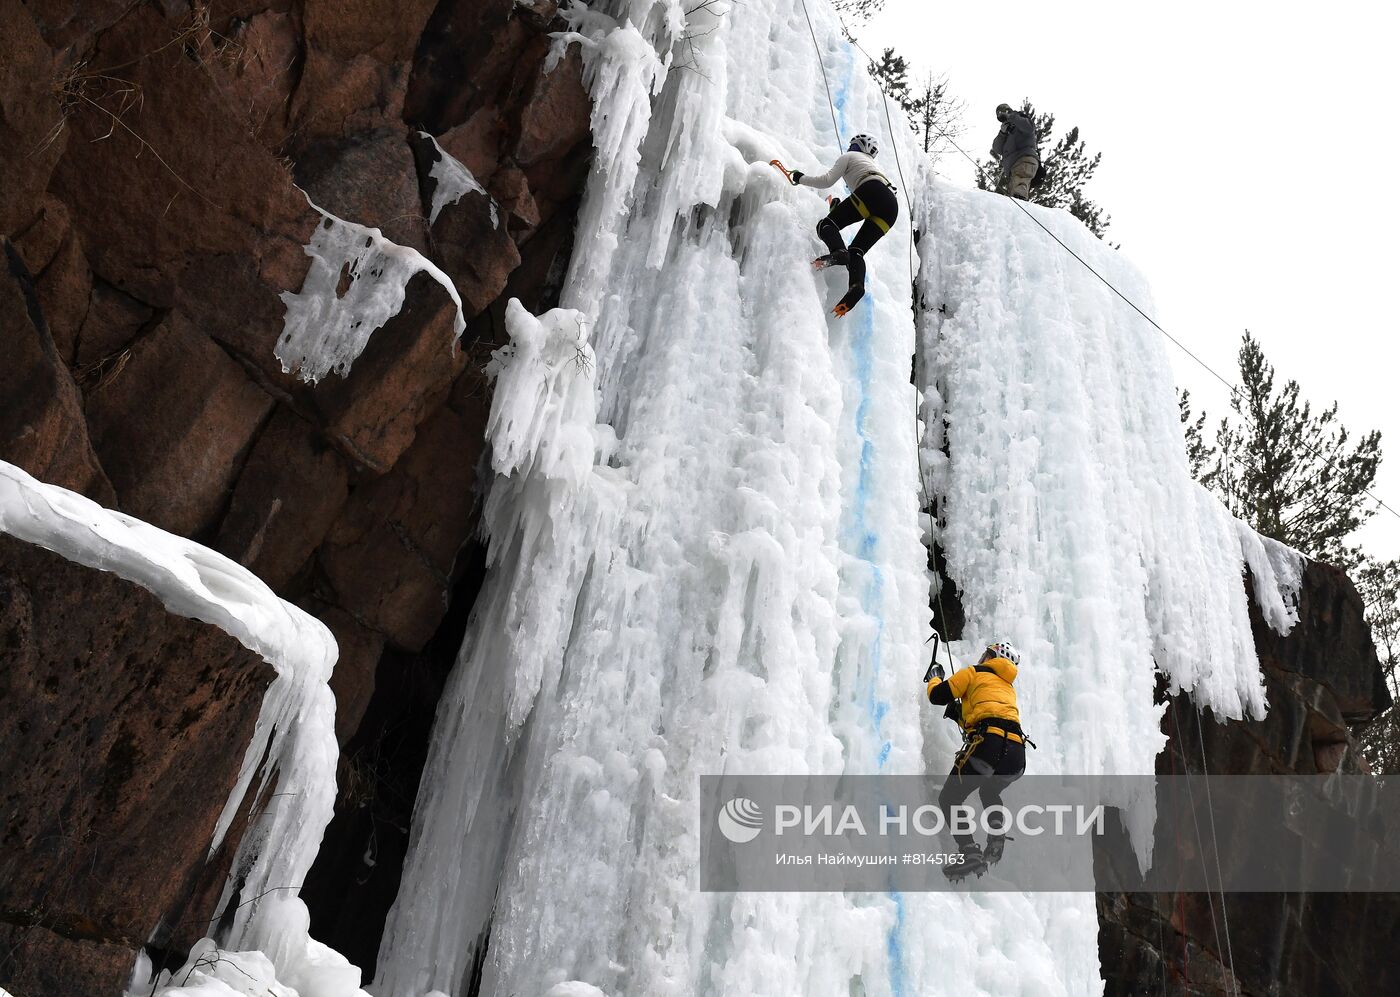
[
  {"x": 73, "y": 23},
  {"x": 171, "y": 423},
  {"x": 176, "y": 174},
  {"x": 472, "y": 243},
  {"x": 41, "y": 237},
  {"x": 231, "y": 299},
  {"x": 370, "y": 181},
  {"x": 54, "y": 255},
  {"x": 37, "y": 959},
  {"x": 353, "y": 678},
  {"x": 462, "y": 63},
  {"x": 31, "y": 134},
  {"x": 291, "y": 489},
  {"x": 123, "y": 739},
  {"x": 511, "y": 190},
  {"x": 112, "y": 321},
  {"x": 355, "y": 72},
  {"x": 390, "y": 558},
  {"x": 42, "y": 428},
  {"x": 554, "y": 144},
  {"x": 181, "y": 178},
  {"x": 1321, "y": 680},
  {"x": 257, "y": 72},
  {"x": 476, "y": 143},
  {"x": 403, "y": 374},
  {"x": 556, "y": 111}
]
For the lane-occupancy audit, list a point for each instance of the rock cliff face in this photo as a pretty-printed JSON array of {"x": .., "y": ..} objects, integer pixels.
[
  {"x": 156, "y": 157},
  {"x": 1323, "y": 679},
  {"x": 119, "y": 719}
]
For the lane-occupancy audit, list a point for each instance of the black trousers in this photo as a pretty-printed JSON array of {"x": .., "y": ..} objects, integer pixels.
[
  {"x": 988, "y": 763},
  {"x": 881, "y": 212}
]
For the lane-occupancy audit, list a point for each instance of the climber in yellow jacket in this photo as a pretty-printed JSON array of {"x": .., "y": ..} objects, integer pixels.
[{"x": 994, "y": 747}]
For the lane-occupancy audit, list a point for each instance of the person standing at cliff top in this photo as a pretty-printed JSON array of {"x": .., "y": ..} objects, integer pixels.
[
  {"x": 872, "y": 200},
  {"x": 1016, "y": 147}
]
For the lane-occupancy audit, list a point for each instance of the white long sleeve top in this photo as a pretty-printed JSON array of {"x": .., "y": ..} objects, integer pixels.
[{"x": 853, "y": 167}]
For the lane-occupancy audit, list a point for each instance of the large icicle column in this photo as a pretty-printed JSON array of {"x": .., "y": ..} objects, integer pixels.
[
  {"x": 1070, "y": 523},
  {"x": 738, "y": 585},
  {"x": 1068, "y": 520}
]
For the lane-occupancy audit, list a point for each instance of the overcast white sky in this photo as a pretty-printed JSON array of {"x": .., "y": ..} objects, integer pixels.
[{"x": 1250, "y": 161}]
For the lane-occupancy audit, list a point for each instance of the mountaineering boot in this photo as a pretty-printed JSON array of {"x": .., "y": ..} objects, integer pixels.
[
  {"x": 855, "y": 264},
  {"x": 972, "y": 863},
  {"x": 830, "y": 260},
  {"x": 848, "y": 301},
  {"x": 996, "y": 845}
]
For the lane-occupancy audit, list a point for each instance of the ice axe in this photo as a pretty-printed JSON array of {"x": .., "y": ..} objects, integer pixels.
[
  {"x": 781, "y": 168},
  {"x": 953, "y": 711},
  {"x": 935, "y": 640}
]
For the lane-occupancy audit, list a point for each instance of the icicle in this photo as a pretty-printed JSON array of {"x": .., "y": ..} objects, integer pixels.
[
  {"x": 453, "y": 181},
  {"x": 622, "y": 72},
  {"x": 355, "y": 284}
]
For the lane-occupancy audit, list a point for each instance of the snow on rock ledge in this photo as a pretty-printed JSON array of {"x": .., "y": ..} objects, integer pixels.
[
  {"x": 327, "y": 325},
  {"x": 295, "y": 731}
]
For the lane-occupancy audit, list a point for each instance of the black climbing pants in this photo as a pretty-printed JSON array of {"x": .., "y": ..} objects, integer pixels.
[
  {"x": 873, "y": 202},
  {"x": 987, "y": 763}
]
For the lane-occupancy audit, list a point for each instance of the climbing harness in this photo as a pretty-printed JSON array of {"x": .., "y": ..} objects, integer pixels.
[{"x": 880, "y": 223}]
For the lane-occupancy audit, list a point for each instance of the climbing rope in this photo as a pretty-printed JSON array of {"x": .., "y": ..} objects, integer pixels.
[
  {"x": 1200, "y": 849},
  {"x": 913, "y": 280},
  {"x": 831, "y": 104},
  {"x": 1215, "y": 844}
]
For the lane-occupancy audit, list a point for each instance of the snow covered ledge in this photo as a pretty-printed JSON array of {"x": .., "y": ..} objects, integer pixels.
[{"x": 293, "y": 743}]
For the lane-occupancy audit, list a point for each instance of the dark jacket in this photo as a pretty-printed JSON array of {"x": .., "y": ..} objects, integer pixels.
[{"x": 1015, "y": 141}]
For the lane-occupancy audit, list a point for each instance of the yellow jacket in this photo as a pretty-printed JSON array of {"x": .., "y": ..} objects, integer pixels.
[{"x": 985, "y": 690}]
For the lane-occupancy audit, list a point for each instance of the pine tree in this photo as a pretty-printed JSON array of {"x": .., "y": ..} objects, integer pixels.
[
  {"x": 936, "y": 115},
  {"x": 933, "y": 113},
  {"x": 1068, "y": 169},
  {"x": 859, "y": 10},
  {"x": 1200, "y": 456},
  {"x": 1379, "y": 585},
  {"x": 892, "y": 73},
  {"x": 1291, "y": 474}
]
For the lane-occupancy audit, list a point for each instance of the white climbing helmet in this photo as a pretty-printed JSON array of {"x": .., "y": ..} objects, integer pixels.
[
  {"x": 1005, "y": 649},
  {"x": 865, "y": 144}
]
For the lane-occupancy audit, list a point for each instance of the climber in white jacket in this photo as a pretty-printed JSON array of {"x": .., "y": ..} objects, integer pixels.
[{"x": 872, "y": 200}]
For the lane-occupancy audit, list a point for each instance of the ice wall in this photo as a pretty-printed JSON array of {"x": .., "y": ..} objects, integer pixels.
[
  {"x": 1070, "y": 523},
  {"x": 707, "y": 555}
]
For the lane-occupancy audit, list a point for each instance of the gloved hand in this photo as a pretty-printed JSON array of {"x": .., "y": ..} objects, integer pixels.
[{"x": 796, "y": 177}]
